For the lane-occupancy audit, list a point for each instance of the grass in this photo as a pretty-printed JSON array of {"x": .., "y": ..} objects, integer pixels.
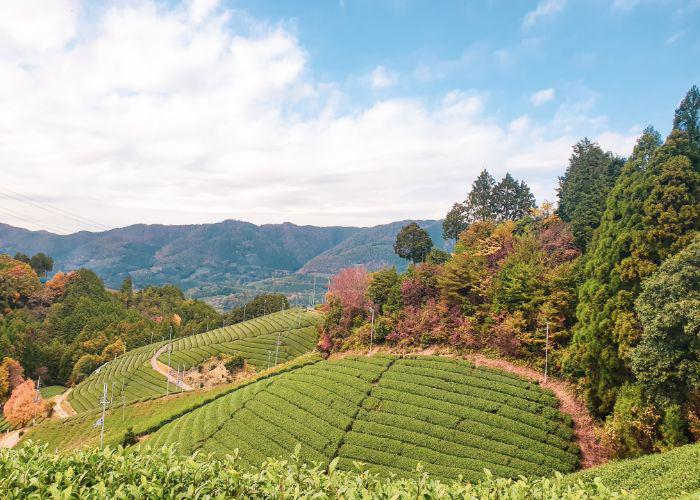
[
  {"x": 674, "y": 474},
  {"x": 51, "y": 390},
  {"x": 389, "y": 413},
  {"x": 131, "y": 374}
]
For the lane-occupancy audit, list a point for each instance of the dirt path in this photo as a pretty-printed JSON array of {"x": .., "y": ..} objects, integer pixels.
[
  {"x": 592, "y": 452},
  {"x": 9, "y": 439},
  {"x": 61, "y": 407},
  {"x": 163, "y": 370}
]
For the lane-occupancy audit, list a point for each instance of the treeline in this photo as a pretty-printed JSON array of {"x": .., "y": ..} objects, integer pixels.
[
  {"x": 62, "y": 330},
  {"x": 612, "y": 273}
]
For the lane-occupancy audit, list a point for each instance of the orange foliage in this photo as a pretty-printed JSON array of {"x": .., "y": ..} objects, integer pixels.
[
  {"x": 15, "y": 372},
  {"x": 24, "y": 405}
]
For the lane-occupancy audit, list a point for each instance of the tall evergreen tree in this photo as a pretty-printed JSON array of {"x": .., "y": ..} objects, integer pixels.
[
  {"x": 583, "y": 188},
  {"x": 504, "y": 197},
  {"x": 594, "y": 356},
  {"x": 525, "y": 201},
  {"x": 455, "y": 222},
  {"x": 650, "y": 214},
  {"x": 480, "y": 200},
  {"x": 687, "y": 116},
  {"x": 511, "y": 199}
]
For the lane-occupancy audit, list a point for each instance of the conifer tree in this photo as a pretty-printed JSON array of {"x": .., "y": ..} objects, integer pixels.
[
  {"x": 455, "y": 222},
  {"x": 511, "y": 199},
  {"x": 480, "y": 203},
  {"x": 593, "y": 356},
  {"x": 687, "y": 116},
  {"x": 584, "y": 187},
  {"x": 650, "y": 214}
]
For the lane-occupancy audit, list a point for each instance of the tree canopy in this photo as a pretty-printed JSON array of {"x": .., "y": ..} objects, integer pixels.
[
  {"x": 487, "y": 200},
  {"x": 584, "y": 187},
  {"x": 413, "y": 243}
]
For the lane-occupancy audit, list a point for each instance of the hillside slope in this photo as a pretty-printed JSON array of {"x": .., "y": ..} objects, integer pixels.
[
  {"x": 673, "y": 474},
  {"x": 373, "y": 247},
  {"x": 390, "y": 413},
  {"x": 186, "y": 256},
  {"x": 221, "y": 259},
  {"x": 251, "y": 339}
]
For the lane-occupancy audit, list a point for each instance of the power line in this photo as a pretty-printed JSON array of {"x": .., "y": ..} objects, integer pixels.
[
  {"x": 39, "y": 224},
  {"x": 22, "y": 198}
]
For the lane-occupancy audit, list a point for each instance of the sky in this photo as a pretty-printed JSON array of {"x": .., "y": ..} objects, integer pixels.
[{"x": 337, "y": 112}]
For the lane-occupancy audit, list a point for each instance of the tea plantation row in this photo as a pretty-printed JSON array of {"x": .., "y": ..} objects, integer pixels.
[
  {"x": 252, "y": 339},
  {"x": 390, "y": 413}
]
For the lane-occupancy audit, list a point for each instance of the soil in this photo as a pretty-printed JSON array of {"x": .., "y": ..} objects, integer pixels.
[{"x": 213, "y": 373}]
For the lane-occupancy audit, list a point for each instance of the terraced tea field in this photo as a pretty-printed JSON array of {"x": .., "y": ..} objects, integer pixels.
[
  {"x": 255, "y": 340},
  {"x": 390, "y": 413},
  {"x": 251, "y": 339}
]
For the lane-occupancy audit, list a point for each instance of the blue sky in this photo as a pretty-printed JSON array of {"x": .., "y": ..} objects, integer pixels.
[
  {"x": 623, "y": 53},
  {"x": 351, "y": 112}
]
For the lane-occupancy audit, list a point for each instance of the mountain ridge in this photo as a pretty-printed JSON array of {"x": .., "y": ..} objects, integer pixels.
[{"x": 206, "y": 260}]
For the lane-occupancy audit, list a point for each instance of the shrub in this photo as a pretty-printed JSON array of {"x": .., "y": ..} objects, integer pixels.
[
  {"x": 34, "y": 473},
  {"x": 130, "y": 437},
  {"x": 234, "y": 364}
]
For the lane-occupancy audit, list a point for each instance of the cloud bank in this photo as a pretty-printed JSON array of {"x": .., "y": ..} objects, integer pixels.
[{"x": 143, "y": 112}]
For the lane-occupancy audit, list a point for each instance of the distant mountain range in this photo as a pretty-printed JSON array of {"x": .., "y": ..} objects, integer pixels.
[{"x": 231, "y": 259}]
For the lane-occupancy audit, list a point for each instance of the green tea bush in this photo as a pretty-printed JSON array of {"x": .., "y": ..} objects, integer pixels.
[
  {"x": 119, "y": 474},
  {"x": 391, "y": 413}
]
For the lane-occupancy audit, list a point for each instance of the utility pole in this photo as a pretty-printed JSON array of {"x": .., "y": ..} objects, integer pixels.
[
  {"x": 546, "y": 353},
  {"x": 371, "y": 332},
  {"x": 37, "y": 397},
  {"x": 244, "y": 306},
  {"x": 313, "y": 301},
  {"x": 269, "y": 354},
  {"x": 170, "y": 348},
  {"x": 277, "y": 348},
  {"x": 101, "y": 421}
]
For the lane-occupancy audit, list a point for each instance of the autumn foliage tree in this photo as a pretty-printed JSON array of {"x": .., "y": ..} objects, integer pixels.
[
  {"x": 17, "y": 283},
  {"x": 11, "y": 376},
  {"x": 350, "y": 287},
  {"x": 24, "y": 405}
]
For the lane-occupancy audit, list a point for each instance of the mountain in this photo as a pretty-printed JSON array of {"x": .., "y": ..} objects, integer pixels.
[
  {"x": 372, "y": 247},
  {"x": 221, "y": 259}
]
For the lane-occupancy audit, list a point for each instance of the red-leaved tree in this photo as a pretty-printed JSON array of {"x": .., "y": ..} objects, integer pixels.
[{"x": 350, "y": 287}]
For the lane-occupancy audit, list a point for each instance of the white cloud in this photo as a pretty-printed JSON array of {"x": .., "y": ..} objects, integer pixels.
[
  {"x": 544, "y": 8},
  {"x": 382, "y": 78},
  {"x": 542, "y": 96},
  {"x": 38, "y": 25},
  {"x": 200, "y": 9},
  {"x": 153, "y": 113}
]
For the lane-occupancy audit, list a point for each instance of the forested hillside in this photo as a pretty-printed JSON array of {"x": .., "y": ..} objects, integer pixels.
[{"x": 210, "y": 260}]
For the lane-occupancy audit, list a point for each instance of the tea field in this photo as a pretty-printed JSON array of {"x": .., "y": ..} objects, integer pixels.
[
  {"x": 390, "y": 413},
  {"x": 252, "y": 339}
]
